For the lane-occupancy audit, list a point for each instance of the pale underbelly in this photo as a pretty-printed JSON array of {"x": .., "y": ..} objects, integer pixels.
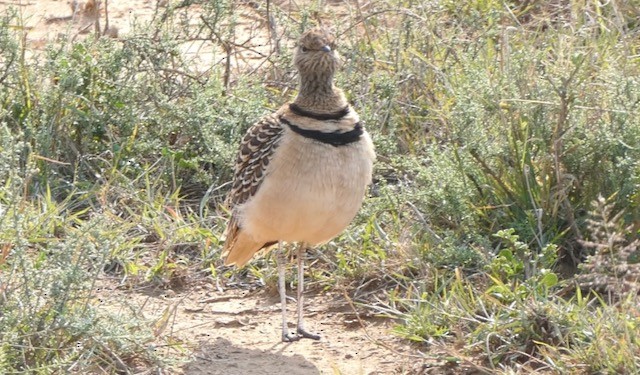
[{"x": 305, "y": 202}]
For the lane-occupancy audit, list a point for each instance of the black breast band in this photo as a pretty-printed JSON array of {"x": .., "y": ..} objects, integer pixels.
[
  {"x": 334, "y": 138},
  {"x": 319, "y": 116}
]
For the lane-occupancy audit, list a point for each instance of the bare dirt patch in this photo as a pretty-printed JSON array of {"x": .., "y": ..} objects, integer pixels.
[
  {"x": 238, "y": 332},
  {"x": 70, "y": 20}
]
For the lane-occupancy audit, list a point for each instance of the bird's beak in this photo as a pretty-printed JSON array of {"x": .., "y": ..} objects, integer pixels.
[{"x": 325, "y": 49}]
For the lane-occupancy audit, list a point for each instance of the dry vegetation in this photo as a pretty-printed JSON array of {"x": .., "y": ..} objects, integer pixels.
[{"x": 500, "y": 126}]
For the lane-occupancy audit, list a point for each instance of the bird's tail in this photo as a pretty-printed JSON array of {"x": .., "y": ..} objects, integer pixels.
[{"x": 239, "y": 248}]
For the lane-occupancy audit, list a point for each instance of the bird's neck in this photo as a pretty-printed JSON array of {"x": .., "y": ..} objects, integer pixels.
[{"x": 318, "y": 94}]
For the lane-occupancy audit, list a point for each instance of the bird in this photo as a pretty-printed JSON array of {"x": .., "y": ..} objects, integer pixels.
[{"x": 301, "y": 173}]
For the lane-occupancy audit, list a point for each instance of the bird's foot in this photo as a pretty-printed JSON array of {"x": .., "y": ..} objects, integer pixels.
[
  {"x": 308, "y": 335},
  {"x": 302, "y": 333},
  {"x": 290, "y": 337}
]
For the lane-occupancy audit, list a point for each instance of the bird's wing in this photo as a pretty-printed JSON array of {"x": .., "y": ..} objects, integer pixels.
[{"x": 256, "y": 150}]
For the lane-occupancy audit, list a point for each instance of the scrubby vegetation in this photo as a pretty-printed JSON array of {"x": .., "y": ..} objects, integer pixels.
[{"x": 502, "y": 224}]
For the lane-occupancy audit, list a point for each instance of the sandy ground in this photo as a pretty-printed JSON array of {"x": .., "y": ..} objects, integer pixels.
[
  {"x": 251, "y": 45},
  {"x": 230, "y": 332},
  {"x": 238, "y": 332},
  {"x": 47, "y": 20}
]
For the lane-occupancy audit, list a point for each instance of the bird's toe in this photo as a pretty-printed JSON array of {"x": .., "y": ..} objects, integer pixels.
[
  {"x": 304, "y": 333},
  {"x": 290, "y": 337}
]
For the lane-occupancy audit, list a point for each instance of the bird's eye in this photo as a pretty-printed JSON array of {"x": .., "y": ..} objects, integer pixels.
[{"x": 303, "y": 49}]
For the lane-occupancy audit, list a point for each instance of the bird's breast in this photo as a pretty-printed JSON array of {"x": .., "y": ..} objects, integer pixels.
[{"x": 311, "y": 190}]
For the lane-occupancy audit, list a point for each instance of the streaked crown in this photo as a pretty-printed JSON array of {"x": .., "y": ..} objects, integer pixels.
[{"x": 315, "y": 52}]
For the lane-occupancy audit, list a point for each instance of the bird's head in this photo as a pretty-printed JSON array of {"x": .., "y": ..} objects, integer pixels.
[{"x": 315, "y": 53}]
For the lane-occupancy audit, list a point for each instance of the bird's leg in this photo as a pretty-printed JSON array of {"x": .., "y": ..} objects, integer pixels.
[
  {"x": 302, "y": 332},
  {"x": 282, "y": 289}
]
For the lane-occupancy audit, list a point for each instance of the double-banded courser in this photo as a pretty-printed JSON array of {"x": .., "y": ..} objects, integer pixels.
[{"x": 301, "y": 172}]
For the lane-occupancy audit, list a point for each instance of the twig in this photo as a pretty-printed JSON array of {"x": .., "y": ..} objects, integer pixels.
[
  {"x": 120, "y": 365},
  {"x": 275, "y": 42},
  {"x": 49, "y": 160},
  {"x": 106, "y": 17},
  {"x": 529, "y": 101},
  {"x": 226, "y": 46},
  {"x": 97, "y": 21}
]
